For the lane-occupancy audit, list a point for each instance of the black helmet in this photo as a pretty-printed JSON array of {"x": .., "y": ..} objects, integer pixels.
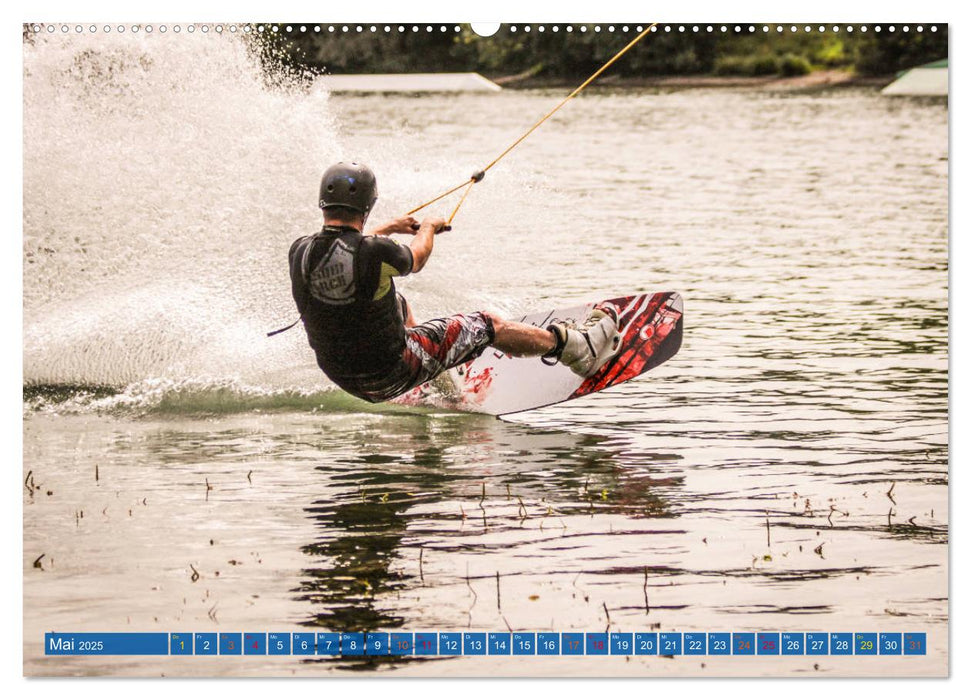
[{"x": 350, "y": 185}]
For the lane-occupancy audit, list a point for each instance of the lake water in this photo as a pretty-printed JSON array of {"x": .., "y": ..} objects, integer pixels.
[{"x": 787, "y": 470}]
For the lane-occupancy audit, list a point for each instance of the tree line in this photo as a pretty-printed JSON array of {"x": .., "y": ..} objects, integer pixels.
[{"x": 557, "y": 53}]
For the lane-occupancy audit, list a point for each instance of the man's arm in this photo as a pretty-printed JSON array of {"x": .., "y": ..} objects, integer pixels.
[
  {"x": 403, "y": 224},
  {"x": 423, "y": 242},
  {"x": 297, "y": 283},
  {"x": 293, "y": 248}
]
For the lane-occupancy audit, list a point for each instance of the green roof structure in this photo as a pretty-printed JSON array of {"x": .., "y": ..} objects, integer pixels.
[{"x": 930, "y": 79}]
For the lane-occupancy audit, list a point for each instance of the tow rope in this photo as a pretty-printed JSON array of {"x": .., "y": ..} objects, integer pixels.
[
  {"x": 278, "y": 331},
  {"x": 480, "y": 174}
]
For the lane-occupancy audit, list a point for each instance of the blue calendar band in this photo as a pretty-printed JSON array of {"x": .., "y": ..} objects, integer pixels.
[{"x": 349, "y": 644}]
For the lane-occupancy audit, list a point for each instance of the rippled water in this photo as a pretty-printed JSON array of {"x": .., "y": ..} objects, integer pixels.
[{"x": 786, "y": 471}]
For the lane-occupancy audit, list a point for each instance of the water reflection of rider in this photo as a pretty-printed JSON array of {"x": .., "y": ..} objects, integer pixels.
[{"x": 352, "y": 590}]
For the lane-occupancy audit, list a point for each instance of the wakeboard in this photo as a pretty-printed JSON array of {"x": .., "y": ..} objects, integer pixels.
[{"x": 650, "y": 326}]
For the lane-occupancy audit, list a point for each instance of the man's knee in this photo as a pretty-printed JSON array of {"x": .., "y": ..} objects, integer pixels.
[
  {"x": 498, "y": 323},
  {"x": 405, "y": 309}
]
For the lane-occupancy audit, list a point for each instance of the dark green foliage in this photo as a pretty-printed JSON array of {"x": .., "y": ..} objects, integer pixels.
[
  {"x": 572, "y": 55},
  {"x": 791, "y": 64},
  {"x": 889, "y": 53},
  {"x": 764, "y": 64}
]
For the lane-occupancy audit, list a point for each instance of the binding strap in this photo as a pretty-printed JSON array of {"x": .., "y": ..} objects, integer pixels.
[{"x": 553, "y": 356}]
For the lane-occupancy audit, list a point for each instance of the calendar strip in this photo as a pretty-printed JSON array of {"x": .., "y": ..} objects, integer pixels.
[{"x": 371, "y": 644}]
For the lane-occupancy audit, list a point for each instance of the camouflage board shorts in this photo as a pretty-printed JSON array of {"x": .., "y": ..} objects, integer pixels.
[{"x": 430, "y": 349}]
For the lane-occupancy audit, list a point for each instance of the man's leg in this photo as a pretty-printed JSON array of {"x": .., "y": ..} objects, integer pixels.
[
  {"x": 584, "y": 349},
  {"x": 521, "y": 339},
  {"x": 440, "y": 344},
  {"x": 406, "y": 314}
]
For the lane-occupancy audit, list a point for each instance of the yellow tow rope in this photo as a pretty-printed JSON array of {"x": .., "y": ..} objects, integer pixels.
[{"x": 477, "y": 176}]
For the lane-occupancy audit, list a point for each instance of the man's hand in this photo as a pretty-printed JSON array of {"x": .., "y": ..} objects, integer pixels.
[
  {"x": 403, "y": 224},
  {"x": 437, "y": 225}
]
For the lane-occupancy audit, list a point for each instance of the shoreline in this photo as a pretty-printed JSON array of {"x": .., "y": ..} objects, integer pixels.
[{"x": 817, "y": 80}]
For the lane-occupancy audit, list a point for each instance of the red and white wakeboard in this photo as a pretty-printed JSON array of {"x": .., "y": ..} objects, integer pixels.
[{"x": 650, "y": 326}]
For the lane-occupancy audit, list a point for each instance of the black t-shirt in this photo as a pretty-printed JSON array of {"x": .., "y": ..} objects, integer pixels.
[{"x": 342, "y": 284}]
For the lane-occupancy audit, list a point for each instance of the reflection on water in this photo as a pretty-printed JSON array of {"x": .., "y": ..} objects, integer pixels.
[{"x": 408, "y": 487}]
